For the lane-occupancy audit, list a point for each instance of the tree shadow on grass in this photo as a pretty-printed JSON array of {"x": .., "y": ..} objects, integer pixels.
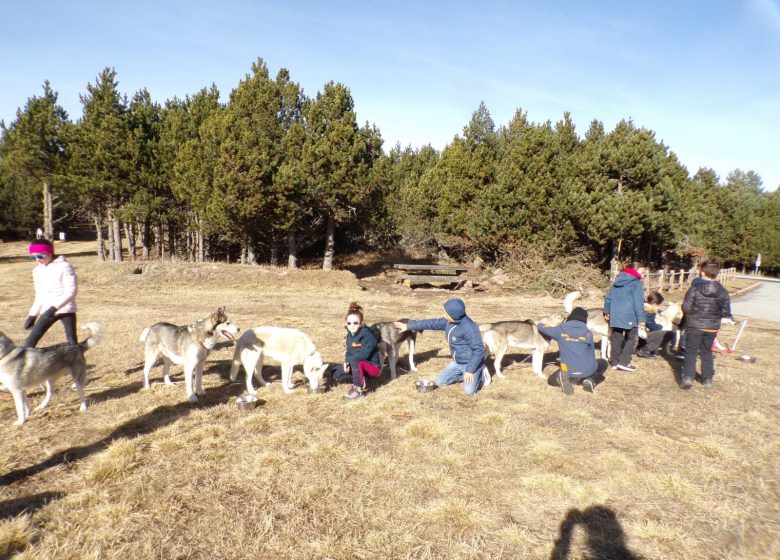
[
  {"x": 605, "y": 536},
  {"x": 27, "y": 504},
  {"x": 145, "y": 424}
]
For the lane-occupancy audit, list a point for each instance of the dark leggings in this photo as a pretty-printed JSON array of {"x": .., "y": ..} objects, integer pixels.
[
  {"x": 622, "y": 343},
  {"x": 42, "y": 325}
]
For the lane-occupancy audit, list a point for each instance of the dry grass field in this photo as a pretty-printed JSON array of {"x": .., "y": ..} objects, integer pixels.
[{"x": 640, "y": 469}]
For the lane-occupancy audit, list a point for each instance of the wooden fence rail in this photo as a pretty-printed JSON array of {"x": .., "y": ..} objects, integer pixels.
[{"x": 670, "y": 280}]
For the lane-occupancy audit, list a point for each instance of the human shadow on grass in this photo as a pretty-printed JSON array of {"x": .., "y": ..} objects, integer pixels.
[
  {"x": 27, "y": 504},
  {"x": 145, "y": 424},
  {"x": 604, "y": 535}
]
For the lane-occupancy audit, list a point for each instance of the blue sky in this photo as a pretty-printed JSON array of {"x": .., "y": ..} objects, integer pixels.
[{"x": 704, "y": 75}]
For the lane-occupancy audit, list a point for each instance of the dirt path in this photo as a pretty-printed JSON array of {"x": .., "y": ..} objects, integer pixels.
[{"x": 762, "y": 303}]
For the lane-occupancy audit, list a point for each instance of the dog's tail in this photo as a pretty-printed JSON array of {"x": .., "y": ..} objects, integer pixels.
[
  {"x": 571, "y": 297},
  {"x": 95, "y": 335},
  {"x": 144, "y": 334}
]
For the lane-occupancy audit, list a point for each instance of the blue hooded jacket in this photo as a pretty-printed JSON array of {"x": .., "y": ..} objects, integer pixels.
[
  {"x": 462, "y": 334},
  {"x": 575, "y": 342},
  {"x": 625, "y": 301}
]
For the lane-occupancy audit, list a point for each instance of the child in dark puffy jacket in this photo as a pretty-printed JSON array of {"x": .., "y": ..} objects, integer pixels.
[
  {"x": 706, "y": 305},
  {"x": 465, "y": 341},
  {"x": 578, "y": 361},
  {"x": 361, "y": 357}
]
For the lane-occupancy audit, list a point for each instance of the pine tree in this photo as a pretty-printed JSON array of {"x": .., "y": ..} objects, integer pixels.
[{"x": 33, "y": 161}]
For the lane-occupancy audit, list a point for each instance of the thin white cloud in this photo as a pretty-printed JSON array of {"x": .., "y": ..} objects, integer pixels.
[{"x": 766, "y": 12}]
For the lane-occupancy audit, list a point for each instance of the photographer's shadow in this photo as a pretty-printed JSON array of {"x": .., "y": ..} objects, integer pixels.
[{"x": 605, "y": 537}]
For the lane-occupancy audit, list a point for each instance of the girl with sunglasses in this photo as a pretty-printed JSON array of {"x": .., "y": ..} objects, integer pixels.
[
  {"x": 55, "y": 294},
  {"x": 361, "y": 357}
]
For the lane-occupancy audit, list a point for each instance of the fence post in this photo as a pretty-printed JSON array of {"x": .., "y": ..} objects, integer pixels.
[{"x": 682, "y": 278}]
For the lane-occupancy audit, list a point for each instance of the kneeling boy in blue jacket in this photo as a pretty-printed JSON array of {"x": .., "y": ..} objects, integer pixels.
[
  {"x": 577, "y": 352},
  {"x": 468, "y": 351}
]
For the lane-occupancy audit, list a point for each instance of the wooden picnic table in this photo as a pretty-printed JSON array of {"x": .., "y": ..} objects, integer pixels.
[{"x": 433, "y": 274}]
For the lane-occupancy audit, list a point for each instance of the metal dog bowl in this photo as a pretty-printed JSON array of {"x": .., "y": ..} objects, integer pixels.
[
  {"x": 744, "y": 358},
  {"x": 424, "y": 385},
  {"x": 319, "y": 389},
  {"x": 247, "y": 402}
]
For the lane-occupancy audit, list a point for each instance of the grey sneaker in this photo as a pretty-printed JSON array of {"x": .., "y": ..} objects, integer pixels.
[
  {"x": 707, "y": 383},
  {"x": 486, "y": 379},
  {"x": 629, "y": 367},
  {"x": 563, "y": 380},
  {"x": 686, "y": 382},
  {"x": 354, "y": 394},
  {"x": 588, "y": 385}
]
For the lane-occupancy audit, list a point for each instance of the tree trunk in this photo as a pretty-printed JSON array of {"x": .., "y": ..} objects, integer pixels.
[
  {"x": 274, "y": 251},
  {"x": 201, "y": 248},
  {"x": 101, "y": 248},
  {"x": 292, "y": 248},
  {"x": 130, "y": 234},
  {"x": 158, "y": 240},
  {"x": 144, "y": 235},
  {"x": 171, "y": 240},
  {"x": 327, "y": 261},
  {"x": 117, "y": 225},
  {"x": 48, "y": 212},
  {"x": 110, "y": 230},
  {"x": 251, "y": 257}
]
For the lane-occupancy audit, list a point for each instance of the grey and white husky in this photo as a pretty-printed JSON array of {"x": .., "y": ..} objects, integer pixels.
[
  {"x": 596, "y": 321},
  {"x": 187, "y": 346},
  {"x": 499, "y": 337},
  {"x": 22, "y": 367},
  {"x": 389, "y": 340}
]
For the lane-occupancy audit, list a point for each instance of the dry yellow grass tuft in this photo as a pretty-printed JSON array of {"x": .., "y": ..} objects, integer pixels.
[{"x": 638, "y": 469}]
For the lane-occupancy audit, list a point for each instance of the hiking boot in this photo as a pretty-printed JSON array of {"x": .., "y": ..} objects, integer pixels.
[
  {"x": 645, "y": 354},
  {"x": 354, "y": 394},
  {"x": 686, "y": 382},
  {"x": 706, "y": 383},
  {"x": 629, "y": 367},
  {"x": 563, "y": 380},
  {"x": 588, "y": 385}
]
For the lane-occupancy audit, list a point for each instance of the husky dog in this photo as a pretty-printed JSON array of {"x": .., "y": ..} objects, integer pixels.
[
  {"x": 22, "y": 367},
  {"x": 499, "y": 337},
  {"x": 596, "y": 321},
  {"x": 289, "y": 347},
  {"x": 389, "y": 341},
  {"x": 187, "y": 346}
]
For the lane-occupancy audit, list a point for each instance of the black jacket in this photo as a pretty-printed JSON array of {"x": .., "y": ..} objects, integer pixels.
[{"x": 705, "y": 304}]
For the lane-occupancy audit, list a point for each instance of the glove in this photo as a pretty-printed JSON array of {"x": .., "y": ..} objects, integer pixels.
[
  {"x": 29, "y": 322},
  {"x": 49, "y": 313},
  {"x": 727, "y": 321}
]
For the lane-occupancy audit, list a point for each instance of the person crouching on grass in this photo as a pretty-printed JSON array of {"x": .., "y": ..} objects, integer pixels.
[
  {"x": 55, "y": 294},
  {"x": 577, "y": 353},
  {"x": 656, "y": 337},
  {"x": 468, "y": 351},
  {"x": 361, "y": 356},
  {"x": 706, "y": 305}
]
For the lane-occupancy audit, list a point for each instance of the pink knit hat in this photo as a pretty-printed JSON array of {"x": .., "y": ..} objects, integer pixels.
[{"x": 38, "y": 248}]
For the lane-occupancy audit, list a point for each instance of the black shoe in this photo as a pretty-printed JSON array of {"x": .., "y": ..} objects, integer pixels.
[
  {"x": 686, "y": 382},
  {"x": 563, "y": 379},
  {"x": 588, "y": 385},
  {"x": 645, "y": 354}
]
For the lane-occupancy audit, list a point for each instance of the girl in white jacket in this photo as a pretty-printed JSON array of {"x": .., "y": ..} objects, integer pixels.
[{"x": 55, "y": 294}]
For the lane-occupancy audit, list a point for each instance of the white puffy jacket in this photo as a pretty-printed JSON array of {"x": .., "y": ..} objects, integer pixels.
[{"x": 55, "y": 286}]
